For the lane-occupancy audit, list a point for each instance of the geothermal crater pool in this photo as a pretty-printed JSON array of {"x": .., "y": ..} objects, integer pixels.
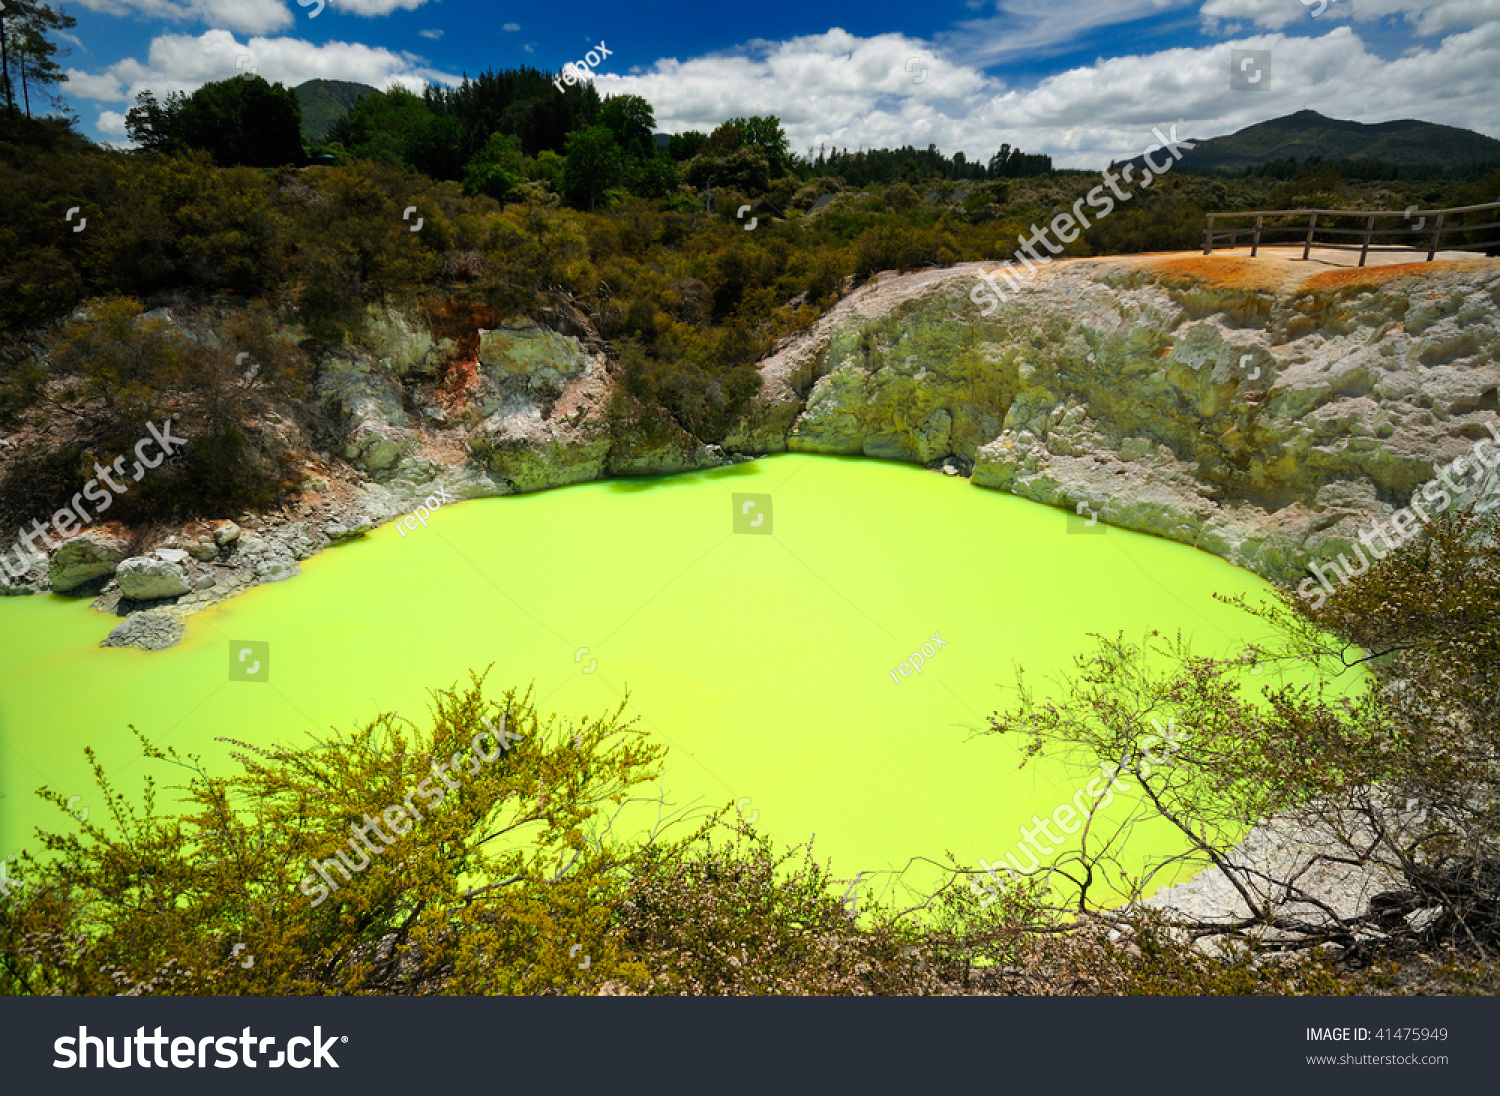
[{"x": 763, "y": 660}]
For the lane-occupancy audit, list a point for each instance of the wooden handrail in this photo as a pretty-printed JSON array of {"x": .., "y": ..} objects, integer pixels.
[
  {"x": 1356, "y": 212},
  {"x": 1434, "y": 232}
]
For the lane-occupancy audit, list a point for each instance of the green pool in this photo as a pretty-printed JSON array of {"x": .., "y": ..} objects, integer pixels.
[{"x": 764, "y": 661}]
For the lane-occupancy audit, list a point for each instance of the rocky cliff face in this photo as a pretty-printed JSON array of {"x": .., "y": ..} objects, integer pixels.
[{"x": 1263, "y": 410}]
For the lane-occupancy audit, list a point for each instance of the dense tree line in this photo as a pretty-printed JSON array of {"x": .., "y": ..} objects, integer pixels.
[
  {"x": 243, "y": 121},
  {"x": 909, "y": 164},
  {"x": 1363, "y": 170},
  {"x": 504, "y": 129}
]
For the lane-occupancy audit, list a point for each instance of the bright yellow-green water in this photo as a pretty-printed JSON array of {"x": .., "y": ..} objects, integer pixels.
[{"x": 763, "y": 662}]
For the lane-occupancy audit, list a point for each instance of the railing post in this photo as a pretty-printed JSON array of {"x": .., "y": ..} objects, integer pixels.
[
  {"x": 1208, "y": 235},
  {"x": 1307, "y": 244},
  {"x": 1255, "y": 245},
  {"x": 1437, "y": 231},
  {"x": 1369, "y": 228}
]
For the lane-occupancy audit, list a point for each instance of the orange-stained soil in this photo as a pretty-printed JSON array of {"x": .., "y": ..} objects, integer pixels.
[{"x": 1271, "y": 273}]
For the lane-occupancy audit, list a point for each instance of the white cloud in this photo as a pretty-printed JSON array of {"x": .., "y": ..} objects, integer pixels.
[
  {"x": 1431, "y": 19},
  {"x": 837, "y": 89},
  {"x": 376, "y": 7},
  {"x": 434, "y": 34},
  {"x": 111, "y": 122},
  {"x": 809, "y": 83},
  {"x": 1272, "y": 14},
  {"x": 1428, "y": 18},
  {"x": 511, "y": 26},
  {"x": 180, "y": 62},
  {"x": 245, "y": 16},
  {"x": 1040, "y": 27},
  {"x": 82, "y": 85}
]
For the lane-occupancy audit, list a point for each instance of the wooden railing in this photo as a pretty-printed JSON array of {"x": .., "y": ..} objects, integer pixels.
[{"x": 1443, "y": 222}]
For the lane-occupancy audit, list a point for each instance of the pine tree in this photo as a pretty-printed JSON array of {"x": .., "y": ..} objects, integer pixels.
[
  {"x": 26, "y": 50},
  {"x": 6, "y": 18}
]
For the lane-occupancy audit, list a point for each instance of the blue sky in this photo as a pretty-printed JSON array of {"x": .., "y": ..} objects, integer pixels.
[{"x": 1084, "y": 82}]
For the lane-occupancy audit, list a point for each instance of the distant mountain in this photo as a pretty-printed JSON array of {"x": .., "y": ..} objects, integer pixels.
[
  {"x": 1307, "y": 134},
  {"x": 324, "y": 102}
]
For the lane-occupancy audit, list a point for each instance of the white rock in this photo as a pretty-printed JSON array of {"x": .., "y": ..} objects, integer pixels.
[{"x": 142, "y": 578}]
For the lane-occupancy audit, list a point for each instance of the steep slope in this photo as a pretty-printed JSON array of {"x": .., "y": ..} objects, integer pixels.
[{"x": 1267, "y": 411}]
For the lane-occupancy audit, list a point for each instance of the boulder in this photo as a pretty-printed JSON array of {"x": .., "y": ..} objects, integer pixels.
[
  {"x": 524, "y": 348},
  {"x": 402, "y": 344},
  {"x": 92, "y": 554},
  {"x": 371, "y": 404},
  {"x": 154, "y": 630},
  {"x": 276, "y": 569},
  {"x": 143, "y": 578},
  {"x": 338, "y": 532}
]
